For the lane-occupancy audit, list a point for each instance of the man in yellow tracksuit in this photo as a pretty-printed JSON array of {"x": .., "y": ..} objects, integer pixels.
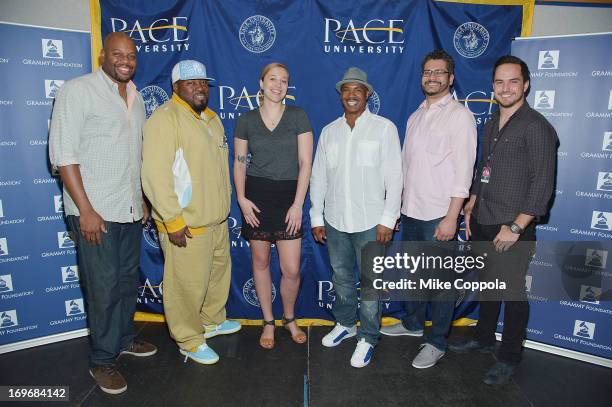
[{"x": 185, "y": 176}]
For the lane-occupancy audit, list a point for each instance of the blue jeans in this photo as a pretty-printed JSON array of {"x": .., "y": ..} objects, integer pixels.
[
  {"x": 441, "y": 311},
  {"x": 344, "y": 253},
  {"x": 109, "y": 277}
]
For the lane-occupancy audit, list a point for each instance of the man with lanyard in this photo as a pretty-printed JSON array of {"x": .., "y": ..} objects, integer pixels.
[
  {"x": 355, "y": 188},
  {"x": 512, "y": 187},
  {"x": 438, "y": 161},
  {"x": 185, "y": 175},
  {"x": 95, "y": 141}
]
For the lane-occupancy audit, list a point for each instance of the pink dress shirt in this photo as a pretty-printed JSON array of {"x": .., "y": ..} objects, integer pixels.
[{"x": 437, "y": 158}]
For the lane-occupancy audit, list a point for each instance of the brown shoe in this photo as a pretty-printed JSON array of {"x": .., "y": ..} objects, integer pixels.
[
  {"x": 108, "y": 379},
  {"x": 140, "y": 348}
]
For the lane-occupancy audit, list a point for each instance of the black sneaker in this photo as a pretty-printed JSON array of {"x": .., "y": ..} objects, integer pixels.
[
  {"x": 500, "y": 373},
  {"x": 470, "y": 346}
]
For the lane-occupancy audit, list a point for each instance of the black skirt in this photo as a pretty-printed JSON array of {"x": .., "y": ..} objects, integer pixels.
[{"x": 273, "y": 198}]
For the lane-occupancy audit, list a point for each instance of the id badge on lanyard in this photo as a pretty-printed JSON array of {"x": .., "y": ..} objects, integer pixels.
[{"x": 485, "y": 176}]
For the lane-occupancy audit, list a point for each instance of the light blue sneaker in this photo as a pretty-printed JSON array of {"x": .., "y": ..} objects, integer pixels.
[
  {"x": 202, "y": 354},
  {"x": 224, "y": 328}
]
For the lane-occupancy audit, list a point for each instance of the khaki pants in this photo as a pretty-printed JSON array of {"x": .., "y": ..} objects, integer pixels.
[{"x": 196, "y": 284}]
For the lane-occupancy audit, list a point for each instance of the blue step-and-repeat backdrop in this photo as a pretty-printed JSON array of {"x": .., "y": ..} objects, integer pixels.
[
  {"x": 39, "y": 279},
  {"x": 570, "y": 283},
  {"x": 318, "y": 41}
]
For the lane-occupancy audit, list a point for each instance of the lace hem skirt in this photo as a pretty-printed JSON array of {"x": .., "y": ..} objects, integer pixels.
[{"x": 273, "y": 198}]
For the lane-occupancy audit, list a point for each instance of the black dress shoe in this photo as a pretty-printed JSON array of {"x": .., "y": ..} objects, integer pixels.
[
  {"x": 500, "y": 373},
  {"x": 470, "y": 346}
]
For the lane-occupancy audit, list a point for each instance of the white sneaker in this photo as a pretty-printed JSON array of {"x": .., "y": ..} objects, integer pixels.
[
  {"x": 363, "y": 354},
  {"x": 338, "y": 334}
]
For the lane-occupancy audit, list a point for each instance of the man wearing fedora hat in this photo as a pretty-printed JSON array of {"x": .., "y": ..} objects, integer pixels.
[
  {"x": 355, "y": 189},
  {"x": 185, "y": 175}
]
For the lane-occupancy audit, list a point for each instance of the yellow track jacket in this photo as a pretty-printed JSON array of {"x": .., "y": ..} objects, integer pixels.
[{"x": 185, "y": 172}]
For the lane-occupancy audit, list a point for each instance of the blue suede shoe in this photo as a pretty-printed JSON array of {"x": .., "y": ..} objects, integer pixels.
[
  {"x": 224, "y": 328},
  {"x": 202, "y": 354}
]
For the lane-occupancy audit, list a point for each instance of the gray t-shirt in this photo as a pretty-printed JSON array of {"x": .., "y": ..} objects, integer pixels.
[{"x": 274, "y": 154}]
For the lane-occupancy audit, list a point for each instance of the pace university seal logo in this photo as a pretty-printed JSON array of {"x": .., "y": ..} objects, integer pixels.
[
  {"x": 153, "y": 97},
  {"x": 471, "y": 39},
  {"x": 257, "y": 34},
  {"x": 250, "y": 295},
  {"x": 149, "y": 232},
  {"x": 374, "y": 103}
]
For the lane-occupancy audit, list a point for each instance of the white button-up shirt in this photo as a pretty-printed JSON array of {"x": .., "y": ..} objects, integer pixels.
[
  {"x": 356, "y": 180},
  {"x": 438, "y": 158},
  {"x": 93, "y": 127}
]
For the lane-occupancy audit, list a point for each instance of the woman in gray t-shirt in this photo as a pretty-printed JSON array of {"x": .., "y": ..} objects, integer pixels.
[{"x": 272, "y": 164}]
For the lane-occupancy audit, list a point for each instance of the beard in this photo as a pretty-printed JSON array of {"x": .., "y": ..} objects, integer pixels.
[{"x": 441, "y": 89}]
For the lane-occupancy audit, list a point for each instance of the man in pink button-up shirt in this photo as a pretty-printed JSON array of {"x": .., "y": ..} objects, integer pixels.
[{"x": 437, "y": 161}]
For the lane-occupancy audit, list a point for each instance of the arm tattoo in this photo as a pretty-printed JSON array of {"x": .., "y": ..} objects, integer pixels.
[{"x": 242, "y": 159}]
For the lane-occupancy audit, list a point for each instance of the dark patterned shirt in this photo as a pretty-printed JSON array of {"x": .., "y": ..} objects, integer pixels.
[{"x": 522, "y": 158}]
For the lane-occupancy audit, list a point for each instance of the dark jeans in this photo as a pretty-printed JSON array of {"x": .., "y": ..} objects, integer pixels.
[
  {"x": 109, "y": 277},
  {"x": 512, "y": 267},
  {"x": 415, "y": 230}
]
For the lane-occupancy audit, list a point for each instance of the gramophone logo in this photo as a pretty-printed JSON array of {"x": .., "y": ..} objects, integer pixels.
[
  {"x": 3, "y": 247},
  {"x": 596, "y": 258},
  {"x": 51, "y": 87},
  {"x": 604, "y": 181},
  {"x": 584, "y": 329},
  {"x": 589, "y": 293},
  {"x": 64, "y": 241},
  {"x": 74, "y": 307},
  {"x": 548, "y": 59},
  {"x": 70, "y": 274},
  {"x": 52, "y": 48},
  {"x": 607, "y": 141},
  {"x": 8, "y": 319},
  {"x": 601, "y": 220},
  {"x": 545, "y": 99},
  {"x": 58, "y": 203},
  {"x": 6, "y": 283}
]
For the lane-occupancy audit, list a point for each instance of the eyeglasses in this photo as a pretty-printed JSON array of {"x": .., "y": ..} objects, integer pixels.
[{"x": 437, "y": 72}]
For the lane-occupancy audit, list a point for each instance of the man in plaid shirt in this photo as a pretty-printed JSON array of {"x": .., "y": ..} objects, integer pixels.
[{"x": 511, "y": 189}]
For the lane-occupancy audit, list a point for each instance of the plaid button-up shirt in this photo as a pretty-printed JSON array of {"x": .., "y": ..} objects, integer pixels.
[
  {"x": 93, "y": 127},
  {"x": 522, "y": 158}
]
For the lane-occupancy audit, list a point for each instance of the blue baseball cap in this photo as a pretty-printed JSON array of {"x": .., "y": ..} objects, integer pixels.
[{"x": 189, "y": 69}]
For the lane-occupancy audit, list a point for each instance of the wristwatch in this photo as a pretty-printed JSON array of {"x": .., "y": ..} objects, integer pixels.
[{"x": 516, "y": 228}]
